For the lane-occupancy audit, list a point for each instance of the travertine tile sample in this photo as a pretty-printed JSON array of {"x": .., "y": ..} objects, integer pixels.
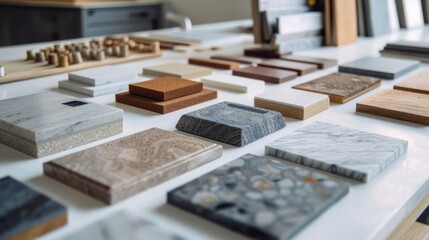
[
  {"x": 234, "y": 83},
  {"x": 271, "y": 75},
  {"x": 93, "y": 91},
  {"x": 339, "y": 150},
  {"x": 398, "y": 104},
  {"x": 237, "y": 58},
  {"x": 45, "y": 123},
  {"x": 259, "y": 197},
  {"x": 418, "y": 83},
  {"x": 321, "y": 63},
  {"x": 222, "y": 64},
  {"x": 386, "y": 68},
  {"x": 264, "y": 52},
  {"x": 26, "y": 213},
  {"x": 293, "y": 103},
  {"x": 300, "y": 68},
  {"x": 231, "y": 123},
  {"x": 177, "y": 70},
  {"x": 341, "y": 87},
  {"x": 117, "y": 170},
  {"x": 103, "y": 75}
]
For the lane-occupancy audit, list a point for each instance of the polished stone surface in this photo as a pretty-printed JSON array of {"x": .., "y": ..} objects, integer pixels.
[
  {"x": 93, "y": 91},
  {"x": 103, "y": 75}
]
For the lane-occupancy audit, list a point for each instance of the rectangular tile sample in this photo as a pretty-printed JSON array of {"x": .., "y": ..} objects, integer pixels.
[
  {"x": 398, "y": 104},
  {"x": 264, "y": 52},
  {"x": 259, "y": 197},
  {"x": 117, "y": 170},
  {"x": 293, "y": 103},
  {"x": 45, "y": 123},
  {"x": 300, "y": 68},
  {"x": 26, "y": 213},
  {"x": 102, "y": 75},
  {"x": 234, "y": 83},
  {"x": 93, "y": 91},
  {"x": 222, "y": 64},
  {"x": 387, "y": 68},
  {"x": 377, "y": 17},
  {"x": 321, "y": 63},
  {"x": 231, "y": 123},
  {"x": 339, "y": 150},
  {"x": 177, "y": 70},
  {"x": 266, "y": 74},
  {"x": 418, "y": 83},
  {"x": 237, "y": 58},
  {"x": 341, "y": 87}
]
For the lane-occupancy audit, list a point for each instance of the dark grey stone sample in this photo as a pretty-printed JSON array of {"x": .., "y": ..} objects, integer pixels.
[{"x": 232, "y": 123}]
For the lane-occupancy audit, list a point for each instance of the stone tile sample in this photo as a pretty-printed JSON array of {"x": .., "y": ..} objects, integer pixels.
[
  {"x": 234, "y": 83},
  {"x": 103, "y": 75},
  {"x": 398, "y": 104},
  {"x": 293, "y": 103},
  {"x": 264, "y": 52},
  {"x": 213, "y": 63},
  {"x": 300, "y": 68},
  {"x": 177, "y": 70},
  {"x": 93, "y": 91},
  {"x": 45, "y": 123},
  {"x": 231, "y": 123},
  {"x": 26, "y": 213},
  {"x": 259, "y": 197},
  {"x": 237, "y": 58},
  {"x": 117, "y": 170},
  {"x": 165, "y": 88},
  {"x": 266, "y": 74},
  {"x": 321, "y": 63},
  {"x": 341, "y": 87},
  {"x": 339, "y": 150},
  {"x": 386, "y": 68},
  {"x": 418, "y": 83}
]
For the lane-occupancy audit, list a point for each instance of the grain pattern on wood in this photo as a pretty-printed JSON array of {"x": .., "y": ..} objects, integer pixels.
[
  {"x": 221, "y": 64},
  {"x": 418, "y": 83}
]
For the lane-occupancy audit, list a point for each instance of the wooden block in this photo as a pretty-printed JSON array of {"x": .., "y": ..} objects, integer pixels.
[
  {"x": 398, "y": 104},
  {"x": 418, "y": 83},
  {"x": 164, "y": 107},
  {"x": 300, "y": 68},
  {"x": 165, "y": 88},
  {"x": 321, "y": 63},
  {"x": 177, "y": 70},
  {"x": 344, "y": 22},
  {"x": 221, "y": 64},
  {"x": 264, "y": 52},
  {"x": 233, "y": 83},
  {"x": 267, "y": 74},
  {"x": 237, "y": 58}
]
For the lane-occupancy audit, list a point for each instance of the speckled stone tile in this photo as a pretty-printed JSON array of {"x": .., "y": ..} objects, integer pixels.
[{"x": 259, "y": 197}]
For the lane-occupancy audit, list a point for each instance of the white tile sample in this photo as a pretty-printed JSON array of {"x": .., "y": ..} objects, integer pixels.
[
  {"x": 103, "y": 75},
  {"x": 235, "y": 83},
  {"x": 291, "y": 97},
  {"x": 413, "y": 13},
  {"x": 94, "y": 91},
  {"x": 299, "y": 23}
]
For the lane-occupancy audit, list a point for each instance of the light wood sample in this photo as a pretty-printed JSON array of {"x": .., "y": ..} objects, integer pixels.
[
  {"x": 177, "y": 70},
  {"x": 344, "y": 22},
  {"x": 418, "y": 83}
]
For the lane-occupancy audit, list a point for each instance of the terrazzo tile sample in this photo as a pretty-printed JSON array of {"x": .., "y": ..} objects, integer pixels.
[
  {"x": 341, "y": 87},
  {"x": 300, "y": 68},
  {"x": 45, "y": 123},
  {"x": 271, "y": 75},
  {"x": 117, "y": 170},
  {"x": 231, "y": 123},
  {"x": 418, "y": 83},
  {"x": 339, "y": 150},
  {"x": 237, "y": 58},
  {"x": 26, "y": 213},
  {"x": 103, "y": 75},
  {"x": 259, "y": 197},
  {"x": 234, "y": 83},
  {"x": 177, "y": 70},
  {"x": 213, "y": 63},
  {"x": 321, "y": 63},
  {"x": 93, "y": 91}
]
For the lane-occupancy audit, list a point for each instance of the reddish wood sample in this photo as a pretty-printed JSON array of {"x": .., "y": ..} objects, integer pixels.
[
  {"x": 267, "y": 74},
  {"x": 222, "y": 64},
  {"x": 300, "y": 68}
]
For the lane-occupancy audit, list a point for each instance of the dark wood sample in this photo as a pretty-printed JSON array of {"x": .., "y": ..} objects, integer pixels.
[
  {"x": 237, "y": 58},
  {"x": 267, "y": 74},
  {"x": 221, "y": 64},
  {"x": 418, "y": 83},
  {"x": 300, "y": 68},
  {"x": 264, "y": 52},
  {"x": 321, "y": 63}
]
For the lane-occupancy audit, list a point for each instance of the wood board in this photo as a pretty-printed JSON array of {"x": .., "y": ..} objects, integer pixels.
[{"x": 418, "y": 83}]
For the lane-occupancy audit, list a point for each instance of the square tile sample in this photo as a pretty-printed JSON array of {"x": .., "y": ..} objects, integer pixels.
[
  {"x": 259, "y": 197},
  {"x": 45, "y": 123},
  {"x": 271, "y": 75},
  {"x": 177, "y": 70},
  {"x": 103, "y": 75},
  {"x": 300, "y": 68},
  {"x": 26, "y": 213},
  {"x": 234, "y": 83},
  {"x": 231, "y": 123},
  {"x": 398, "y": 104},
  {"x": 293, "y": 103},
  {"x": 237, "y": 58},
  {"x": 342, "y": 151},
  {"x": 93, "y": 91},
  {"x": 321, "y": 63},
  {"x": 386, "y": 68},
  {"x": 117, "y": 170},
  {"x": 221, "y": 64},
  {"x": 341, "y": 87},
  {"x": 418, "y": 83}
]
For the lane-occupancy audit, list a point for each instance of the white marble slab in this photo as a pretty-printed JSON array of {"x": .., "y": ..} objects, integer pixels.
[
  {"x": 293, "y": 98},
  {"x": 339, "y": 150},
  {"x": 94, "y": 91},
  {"x": 103, "y": 75},
  {"x": 234, "y": 83}
]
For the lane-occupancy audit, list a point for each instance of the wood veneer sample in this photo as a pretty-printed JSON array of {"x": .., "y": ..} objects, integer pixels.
[
  {"x": 117, "y": 170},
  {"x": 165, "y": 88},
  {"x": 341, "y": 87},
  {"x": 321, "y": 63},
  {"x": 267, "y": 74},
  {"x": 300, "y": 68},
  {"x": 264, "y": 52},
  {"x": 222, "y": 64},
  {"x": 344, "y": 22},
  {"x": 418, "y": 83},
  {"x": 397, "y": 104},
  {"x": 237, "y": 58},
  {"x": 177, "y": 70}
]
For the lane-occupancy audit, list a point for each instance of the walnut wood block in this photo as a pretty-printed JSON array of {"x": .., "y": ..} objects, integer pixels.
[
  {"x": 165, "y": 88},
  {"x": 267, "y": 74},
  {"x": 237, "y": 58},
  {"x": 418, "y": 83},
  {"x": 164, "y": 107},
  {"x": 398, "y": 104},
  {"x": 321, "y": 63},
  {"x": 263, "y": 52},
  {"x": 221, "y": 64},
  {"x": 300, "y": 68},
  {"x": 177, "y": 70}
]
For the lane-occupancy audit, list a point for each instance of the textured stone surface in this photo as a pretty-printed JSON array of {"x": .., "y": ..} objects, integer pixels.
[
  {"x": 271, "y": 75},
  {"x": 234, "y": 83},
  {"x": 300, "y": 68},
  {"x": 177, "y": 70},
  {"x": 321, "y": 63}
]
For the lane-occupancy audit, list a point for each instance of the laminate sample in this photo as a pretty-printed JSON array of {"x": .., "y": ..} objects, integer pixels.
[
  {"x": 266, "y": 74},
  {"x": 321, "y": 63},
  {"x": 239, "y": 84},
  {"x": 341, "y": 87},
  {"x": 237, "y": 58},
  {"x": 26, "y": 213},
  {"x": 222, "y": 64},
  {"x": 263, "y": 52},
  {"x": 117, "y": 170},
  {"x": 259, "y": 197},
  {"x": 339, "y": 150},
  {"x": 300, "y": 68},
  {"x": 293, "y": 103},
  {"x": 45, "y": 123},
  {"x": 93, "y": 91},
  {"x": 418, "y": 83},
  {"x": 387, "y": 68},
  {"x": 103, "y": 75},
  {"x": 231, "y": 123},
  {"x": 376, "y": 17},
  {"x": 177, "y": 70},
  {"x": 398, "y": 104}
]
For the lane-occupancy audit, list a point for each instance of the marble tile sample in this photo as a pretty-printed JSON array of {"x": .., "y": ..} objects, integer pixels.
[
  {"x": 177, "y": 70},
  {"x": 237, "y": 58},
  {"x": 259, "y": 197},
  {"x": 386, "y": 68},
  {"x": 234, "y": 83},
  {"x": 26, "y": 213},
  {"x": 300, "y": 68},
  {"x": 117, "y": 170},
  {"x": 103, "y": 75},
  {"x": 93, "y": 91},
  {"x": 45, "y": 123},
  {"x": 418, "y": 83},
  {"x": 339, "y": 150},
  {"x": 231, "y": 123},
  {"x": 213, "y": 63},
  {"x": 341, "y": 87},
  {"x": 321, "y": 63},
  {"x": 264, "y": 52},
  {"x": 398, "y": 104},
  {"x": 293, "y": 103},
  {"x": 271, "y": 75}
]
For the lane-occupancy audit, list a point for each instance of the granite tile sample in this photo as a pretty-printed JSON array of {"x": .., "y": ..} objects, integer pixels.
[
  {"x": 341, "y": 87},
  {"x": 237, "y": 58},
  {"x": 177, "y": 70},
  {"x": 26, "y": 213},
  {"x": 418, "y": 83},
  {"x": 117, "y": 170},
  {"x": 93, "y": 91},
  {"x": 386, "y": 68},
  {"x": 221, "y": 64},
  {"x": 300, "y": 68},
  {"x": 234, "y": 83},
  {"x": 102, "y": 75},
  {"x": 321, "y": 63},
  {"x": 45, "y": 123},
  {"x": 339, "y": 150},
  {"x": 231, "y": 123},
  {"x": 264, "y": 52},
  {"x": 271, "y": 75},
  {"x": 259, "y": 197}
]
